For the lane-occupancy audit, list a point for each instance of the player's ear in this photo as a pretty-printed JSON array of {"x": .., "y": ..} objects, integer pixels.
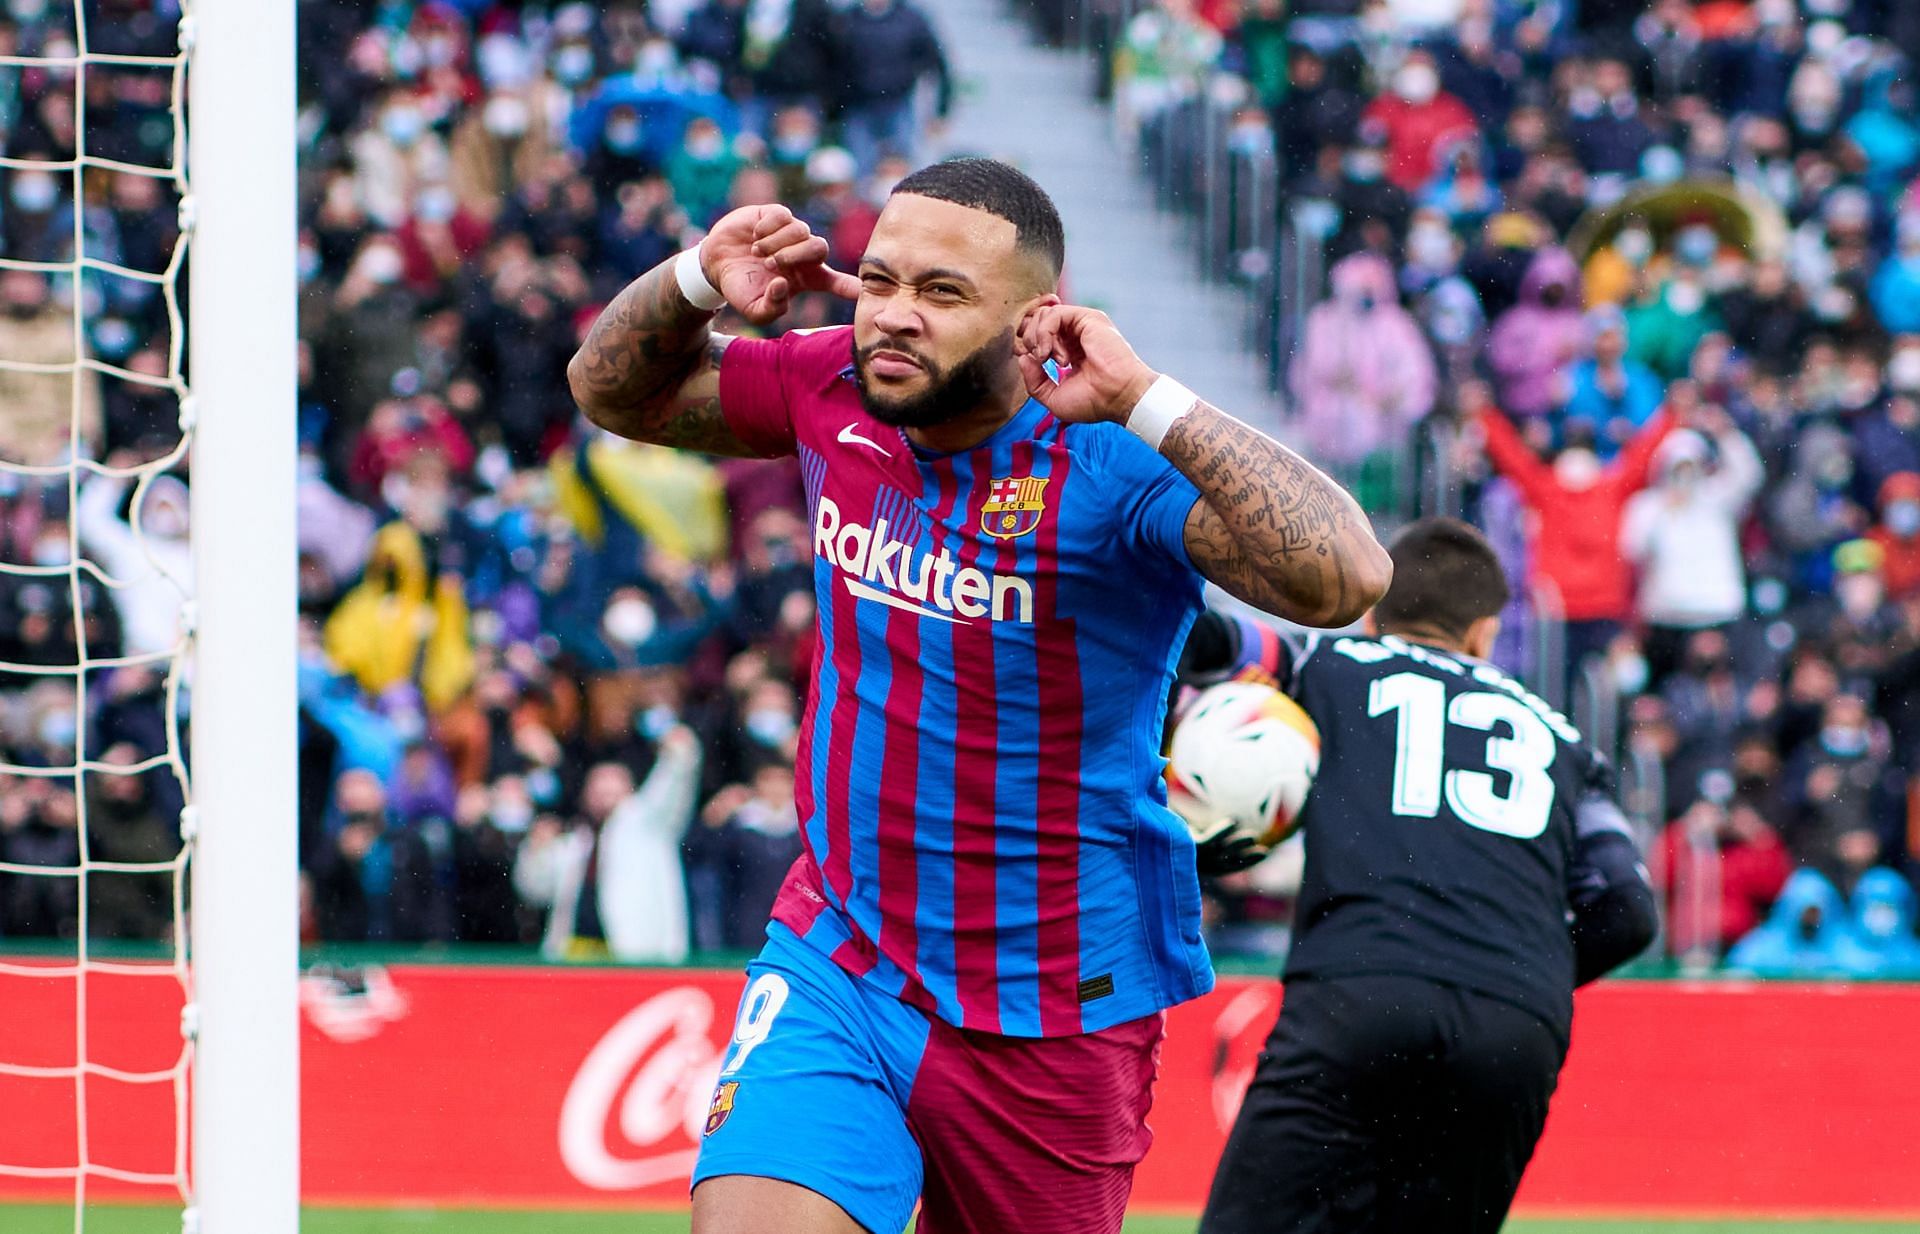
[{"x": 1481, "y": 636}]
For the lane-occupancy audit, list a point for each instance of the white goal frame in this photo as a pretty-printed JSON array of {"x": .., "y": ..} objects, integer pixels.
[{"x": 244, "y": 864}]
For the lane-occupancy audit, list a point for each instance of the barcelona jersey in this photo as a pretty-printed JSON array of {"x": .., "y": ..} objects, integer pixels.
[{"x": 979, "y": 773}]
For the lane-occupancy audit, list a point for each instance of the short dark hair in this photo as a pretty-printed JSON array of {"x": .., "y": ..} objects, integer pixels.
[
  {"x": 1445, "y": 577},
  {"x": 1001, "y": 190}
]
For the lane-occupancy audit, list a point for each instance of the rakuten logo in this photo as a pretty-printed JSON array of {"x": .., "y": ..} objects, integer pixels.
[{"x": 877, "y": 567}]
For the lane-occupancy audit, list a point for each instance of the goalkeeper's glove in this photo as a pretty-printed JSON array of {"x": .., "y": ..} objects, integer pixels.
[{"x": 1222, "y": 849}]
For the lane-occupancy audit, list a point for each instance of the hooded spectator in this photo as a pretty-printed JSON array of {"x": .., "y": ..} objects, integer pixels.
[
  {"x": 1882, "y": 942},
  {"x": 1897, "y": 534},
  {"x": 1804, "y": 935},
  {"x": 1364, "y": 372},
  {"x": 1535, "y": 343}
]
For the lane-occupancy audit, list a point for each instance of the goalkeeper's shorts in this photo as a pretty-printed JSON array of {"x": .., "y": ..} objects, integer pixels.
[{"x": 834, "y": 1085}]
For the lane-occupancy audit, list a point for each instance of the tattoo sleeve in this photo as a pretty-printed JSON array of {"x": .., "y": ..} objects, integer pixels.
[
  {"x": 1270, "y": 527},
  {"x": 650, "y": 369}
]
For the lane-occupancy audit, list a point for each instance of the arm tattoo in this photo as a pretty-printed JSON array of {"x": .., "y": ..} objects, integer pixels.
[
  {"x": 649, "y": 369},
  {"x": 1270, "y": 527}
]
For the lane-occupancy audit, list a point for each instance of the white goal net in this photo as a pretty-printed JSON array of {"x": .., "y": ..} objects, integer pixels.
[{"x": 99, "y": 437}]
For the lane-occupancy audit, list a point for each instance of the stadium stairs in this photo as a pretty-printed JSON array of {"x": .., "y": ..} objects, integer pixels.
[{"x": 1034, "y": 107}]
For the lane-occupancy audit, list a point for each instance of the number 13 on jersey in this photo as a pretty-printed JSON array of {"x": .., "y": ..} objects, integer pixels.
[{"x": 1421, "y": 779}]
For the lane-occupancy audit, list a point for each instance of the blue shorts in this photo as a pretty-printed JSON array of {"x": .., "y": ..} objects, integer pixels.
[{"x": 841, "y": 1088}]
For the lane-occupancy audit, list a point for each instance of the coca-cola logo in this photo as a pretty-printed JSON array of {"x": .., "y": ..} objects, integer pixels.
[
  {"x": 633, "y": 1115},
  {"x": 351, "y": 1004}
]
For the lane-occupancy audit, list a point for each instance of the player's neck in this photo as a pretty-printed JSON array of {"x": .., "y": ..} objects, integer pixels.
[
  {"x": 1429, "y": 637},
  {"x": 968, "y": 430}
]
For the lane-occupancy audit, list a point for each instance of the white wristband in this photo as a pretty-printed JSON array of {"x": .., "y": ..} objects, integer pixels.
[
  {"x": 1165, "y": 401},
  {"x": 700, "y": 293}
]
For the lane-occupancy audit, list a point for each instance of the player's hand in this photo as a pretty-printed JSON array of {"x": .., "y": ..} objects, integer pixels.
[
  {"x": 760, "y": 257},
  {"x": 1106, "y": 378},
  {"x": 1223, "y": 850}
]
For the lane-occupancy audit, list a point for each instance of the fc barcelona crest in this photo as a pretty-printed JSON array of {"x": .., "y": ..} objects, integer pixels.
[
  {"x": 722, "y": 1105},
  {"x": 1013, "y": 506}
]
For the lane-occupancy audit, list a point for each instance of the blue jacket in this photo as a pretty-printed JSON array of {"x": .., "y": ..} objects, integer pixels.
[
  {"x": 1881, "y": 941},
  {"x": 1786, "y": 946}
]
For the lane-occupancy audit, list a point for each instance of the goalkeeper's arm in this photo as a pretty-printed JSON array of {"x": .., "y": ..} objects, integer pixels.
[{"x": 1614, "y": 914}]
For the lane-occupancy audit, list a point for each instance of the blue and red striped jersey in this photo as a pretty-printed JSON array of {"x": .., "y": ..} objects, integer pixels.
[{"x": 979, "y": 773}]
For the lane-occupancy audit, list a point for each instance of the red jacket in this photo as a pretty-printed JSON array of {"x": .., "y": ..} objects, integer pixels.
[
  {"x": 1747, "y": 878},
  {"x": 1576, "y": 537},
  {"x": 1416, "y": 132}
]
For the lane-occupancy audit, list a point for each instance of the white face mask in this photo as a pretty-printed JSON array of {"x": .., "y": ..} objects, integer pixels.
[
  {"x": 630, "y": 621},
  {"x": 505, "y": 116},
  {"x": 1576, "y": 470},
  {"x": 1417, "y": 83}
]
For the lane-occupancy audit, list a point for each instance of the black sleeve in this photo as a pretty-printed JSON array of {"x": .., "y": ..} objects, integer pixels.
[
  {"x": 1615, "y": 915},
  {"x": 1222, "y": 647}
]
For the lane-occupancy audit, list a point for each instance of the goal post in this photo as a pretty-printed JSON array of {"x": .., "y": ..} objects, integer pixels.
[{"x": 242, "y": 347}]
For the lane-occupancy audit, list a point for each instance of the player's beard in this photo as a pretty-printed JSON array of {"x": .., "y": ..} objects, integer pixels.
[{"x": 950, "y": 393}]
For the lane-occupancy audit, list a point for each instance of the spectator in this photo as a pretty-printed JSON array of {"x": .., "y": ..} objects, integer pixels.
[
  {"x": 1721, "y": 865},
  {"x": 886, "y": 48},
  {"x": 125, "y": 824},
  {"x": 148, "y": 556},
  {"x": 613, "y": 883},
  {"x": 1364, "y": 373},
  {"x": 43, "y": 424},
  {"x": 1804, "y": 935},
  {"x": 1684, "y": 535},
  {"x": 372, "y": 881},
  {"x": 740, "y": 855},
  {"x": 1837, "y": 784},
  {"x": 1418, "y": 118},
  {"x": 1577, "y": 505},
  {"x": 1883, "y": 943},
  {"x": 1612, "y": 395},
  {"x": 1535, "y": 343}
]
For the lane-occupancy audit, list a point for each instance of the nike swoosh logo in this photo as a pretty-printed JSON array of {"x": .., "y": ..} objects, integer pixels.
[
  {"x": 864, "y": 592},
  {"x": 849, "y": 437}
]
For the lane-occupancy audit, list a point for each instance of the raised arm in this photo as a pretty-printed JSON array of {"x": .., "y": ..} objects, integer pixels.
[
  {"x": 650, "y": 367},
  {"x": 1269, "y": 527}
]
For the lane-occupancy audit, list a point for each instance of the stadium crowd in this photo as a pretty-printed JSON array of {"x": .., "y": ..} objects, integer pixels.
[
  {"x": 549, "y": 681},
  {"x": 1656, "y": 266}
]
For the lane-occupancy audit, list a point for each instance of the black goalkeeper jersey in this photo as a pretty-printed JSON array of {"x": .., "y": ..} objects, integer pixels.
[{"x": 1441, "y": 831}]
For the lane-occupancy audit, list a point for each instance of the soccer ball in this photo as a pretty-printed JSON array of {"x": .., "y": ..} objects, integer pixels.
[{"x": 1243, "y": 754}]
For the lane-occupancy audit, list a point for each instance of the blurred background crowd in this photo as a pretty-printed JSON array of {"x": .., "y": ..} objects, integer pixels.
[{"x": 1635, "y": 284}]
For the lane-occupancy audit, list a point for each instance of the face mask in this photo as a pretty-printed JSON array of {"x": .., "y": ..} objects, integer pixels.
[
  {"x": 654, "y": 722},
  {"x": 1630, "y": 674},
  {"x": 1634, "y": 245},
  {"x": 1903, "y": 519},
  {"x": 512, "y": 817},
  {"x": 1364, "y": 166},
  {"x": 1576, "y": 469},
  {"x": 382, "y": 265},
  {"x": 1860, "y": 594},
  {"x": 1430, "y": 246},
  {"x": 402, "y": 125},
  {"x": 58, "y": 729},
  {"x": 505, "y": 116},
  {"x": 623, "y": 136},
  {"x": 630, "y": 621},
  {"x": 706, "y": 147},
  {"x": 50, "y": 553},
  {"x": 35, "y": 192},
  {"x": 434, "y": 205},
  {"x": 1844, "y": 742},
  {"x": 1251, "y": 138},
  {"x": 1416, "y": 83},
  {"x": 441, "y": 52},
  {"x": 770, "y": 728},
  {"x": 655, "y": 58},
  {"x": 1903, "y": 371},
  {"x": 795, "y": 147},
  {"x": 308, "y": 263},
  {"x": 543, "y": 786},
  {"x": 1697, "y": 245},
  {"x": 1686, "y": 299},
  {"x": 27, "y": 10},
  {"x": 573, "y": 64}
]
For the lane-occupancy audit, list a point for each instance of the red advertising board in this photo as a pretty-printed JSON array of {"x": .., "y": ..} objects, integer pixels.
[{"x": 552, "y": 1087}]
